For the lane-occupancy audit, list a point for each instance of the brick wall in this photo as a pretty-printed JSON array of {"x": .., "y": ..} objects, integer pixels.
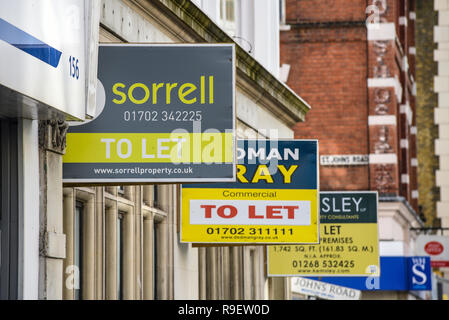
[
  {"x": 331, "y": 61},
  {"x": 326, "y": 76},
  {"x": 325, "y": 10},
  {"x": 426, "y": 69}
]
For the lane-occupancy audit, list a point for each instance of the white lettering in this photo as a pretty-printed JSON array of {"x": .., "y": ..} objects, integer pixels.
[
  {"x": 144, "y": 150},
  {"x": 294, "y": 155},
  {"x": 274, "y": 153},
  {"x": 325, "y": 201},
  {"x": 119, "y": 148},
  {"x": 345, "y": 203},
  {"x": 259, "y": 154},
  {"x": 108, "y": 147},
  {"x": 357, "y": 203},
  {"x": 161, "y": 148},
  {"x": 179, "y": 145}
]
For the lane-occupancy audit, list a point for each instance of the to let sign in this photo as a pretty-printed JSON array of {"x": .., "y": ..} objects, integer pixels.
[
  {"x": 273, "y": 201},
  {"x": 165, "y": 114}
]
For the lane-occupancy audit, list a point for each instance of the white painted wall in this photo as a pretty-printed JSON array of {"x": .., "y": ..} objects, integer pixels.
[
  {"x": 266, "y": 34},
  {"x": 257, "y": 28},
  {"x": 392, "y": 248},
  {"x": 395, "y": 236},
  {"x": 253, "y": 115},
  {"x": 28, "y": 209}
]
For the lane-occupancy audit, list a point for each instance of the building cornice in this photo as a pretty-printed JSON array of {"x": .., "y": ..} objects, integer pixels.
[{"x": 404, "y": 210}]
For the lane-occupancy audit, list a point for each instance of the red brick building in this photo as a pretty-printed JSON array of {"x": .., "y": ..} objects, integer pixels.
[{"x": 359, "y": 80}]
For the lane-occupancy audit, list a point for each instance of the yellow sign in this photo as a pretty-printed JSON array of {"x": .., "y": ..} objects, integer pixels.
[
  {"x": 348, "y": 240},
  {"x": 273, "y": 201}
]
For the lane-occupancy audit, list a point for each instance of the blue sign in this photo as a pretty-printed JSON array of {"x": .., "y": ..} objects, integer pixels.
[
  {"x": 398, "y": 274},
  {"x": 419, "y": 273},
  {"x": 274, "y": 162}
]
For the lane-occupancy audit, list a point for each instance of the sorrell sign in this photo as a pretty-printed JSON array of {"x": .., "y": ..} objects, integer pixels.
[{"x": 166, "y": 114}]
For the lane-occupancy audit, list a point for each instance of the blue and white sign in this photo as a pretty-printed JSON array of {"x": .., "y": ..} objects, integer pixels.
[
  {"x": 42, "y": 49},
  {"x": 419, "y": 271},
  {"x": 323, "y": 290},
  {"x": 398, "y": 274}
]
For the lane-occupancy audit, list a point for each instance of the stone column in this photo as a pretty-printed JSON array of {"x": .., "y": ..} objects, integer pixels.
[
  {"x": 226, "y": 273},
  {"x": 202, "y": 279},
  {"x": 52, "y": 142},
  {"x": 111, "y": 251},
  {"x": 212, "y": 277},
  {"x": 247, "y": 273},
  {"x": 164, "y": 252},
  {"x": 148, "y": 261},
  {"x": 138, "y": 228},
  {"x": 236, "y": 272},
  {"x": 69, "y": 272},
  {"x": 279, "y": 288},
  {"x": 99, "y": 244},
  {"x": 128, "y": 256},
  {"x": 88, "y": 267}
]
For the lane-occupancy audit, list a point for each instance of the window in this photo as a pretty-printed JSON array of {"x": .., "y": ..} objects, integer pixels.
[
  {"x": 8, "y": 210},
  {"x": 149, "y": 195},
  {"x": 155, "y": 262},
  {"x": 78, "y": 248},
  {"x": 120, "y": 255},
  {"x": 282, "y": 12},
  {"x": 160, "y": 258},
  {"x": 155, "y": 204},
  {"x": 227, "y": 16},
  {"x": 252, "y": 268}
]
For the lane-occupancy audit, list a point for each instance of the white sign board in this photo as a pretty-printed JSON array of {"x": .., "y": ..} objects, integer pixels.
[
  {"x": 323, "y": 290},
  {"x": 344, "y": 160},
  {"x": 437, "y": 247},
  {"x": 43, "y": 53},
  {"x": 247, "y": 212}
]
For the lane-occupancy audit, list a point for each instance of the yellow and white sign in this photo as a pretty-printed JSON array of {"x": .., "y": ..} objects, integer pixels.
[
  {"x": 273, "y": 201},
  {"x": 348, "y": 240}
]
